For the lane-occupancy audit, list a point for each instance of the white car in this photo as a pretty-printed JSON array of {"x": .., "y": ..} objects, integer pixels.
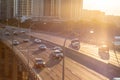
[
  {"x": 37, "y": 41},
  {"x": 22, "y": 31},
  {"x": 42, "y": 47},
  {"x": 58, "y": 48},
  {"x": 26, "y": 40},
  {"x": 75, "y": 43},
  {"x": 39, "y": 62},
  {"x": 15, "y": 42},
  {"x": 57, "y": 54}
]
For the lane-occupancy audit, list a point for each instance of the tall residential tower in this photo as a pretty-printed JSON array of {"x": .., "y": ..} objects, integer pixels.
[{"x": 61, "y": 9}]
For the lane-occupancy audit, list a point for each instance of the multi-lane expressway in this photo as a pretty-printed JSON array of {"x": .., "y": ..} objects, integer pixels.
[{"x": 84, "y": 64}]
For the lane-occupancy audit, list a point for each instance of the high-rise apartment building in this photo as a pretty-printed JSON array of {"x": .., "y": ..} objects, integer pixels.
[
  {"x": 6, "y": 9},
  {"x": 71, "y": 9},
  {"x": 22, "y": 8},
  {"x": 63, "y": 9}
]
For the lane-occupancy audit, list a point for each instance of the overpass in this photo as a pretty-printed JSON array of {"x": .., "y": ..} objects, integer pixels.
[{"x": 17, "y": 62}]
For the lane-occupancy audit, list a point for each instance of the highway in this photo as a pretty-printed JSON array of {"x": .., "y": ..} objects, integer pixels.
[{"x": 84, "y": 64}]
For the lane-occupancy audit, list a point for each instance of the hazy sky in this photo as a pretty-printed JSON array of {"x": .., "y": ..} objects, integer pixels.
[{"x": 111, "y": 7}]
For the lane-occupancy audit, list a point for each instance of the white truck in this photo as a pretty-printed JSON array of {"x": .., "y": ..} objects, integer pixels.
[{"x": 116, "y": 43}]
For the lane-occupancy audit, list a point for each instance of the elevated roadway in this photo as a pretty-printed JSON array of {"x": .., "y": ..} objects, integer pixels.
[{"x": 84, "y": 64}]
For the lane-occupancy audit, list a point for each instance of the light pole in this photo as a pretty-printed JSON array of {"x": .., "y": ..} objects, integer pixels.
[
  {"x": 63, "y": 62},
  {"x": 29, "y": 35},
  {"x": 7, "y": 21}
]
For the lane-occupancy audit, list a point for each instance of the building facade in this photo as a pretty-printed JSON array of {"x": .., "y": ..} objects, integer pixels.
[
  {"x": 6, "y": 9},
  {"x": 22, "y": 8},
  {"x": 63, "y": 9}
]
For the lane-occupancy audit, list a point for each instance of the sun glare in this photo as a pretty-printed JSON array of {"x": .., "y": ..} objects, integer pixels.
[{"x": 103, "y": 5}]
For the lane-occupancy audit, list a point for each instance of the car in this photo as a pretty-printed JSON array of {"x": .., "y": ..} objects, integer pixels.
[
  {"x": 42, "y": 47},
  {"x": 15, "y": 42},
  {"x": 26, "y": 40},
  {"x": 22, "y": 31},
  {"x": 58, "y": 48},
  {"x": 39, "y": 63},
  {"x": 75, "y": 43},
  {"x": 103, "y": 48},
  {"x": 7, "y": 33},
  {"x": 15, "y": 33},
  {"x": 57, "y": 54},
  {"x": 37, "y": 41},
  {"x": 116, "y": 78}
]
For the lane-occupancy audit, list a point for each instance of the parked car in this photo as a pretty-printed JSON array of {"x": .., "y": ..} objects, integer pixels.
[
  {"x": 57, "y": 54},
  {"x": 37, "y": 41},
  {"x": 42, "y": 47},
  {"x": 39, "y": 62},
  {"x": 15, "y": 42}
]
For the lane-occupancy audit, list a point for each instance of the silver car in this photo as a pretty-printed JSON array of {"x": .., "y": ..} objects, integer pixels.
[
  {"x": 42, "y": 47},
  {"x": 58, "y": 48},
  {"x": 57, "y": 54},
  {"x": 37, "y": 41}
]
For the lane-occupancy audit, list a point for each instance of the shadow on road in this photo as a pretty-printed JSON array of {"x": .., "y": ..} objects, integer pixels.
[
  {"x": 108, "y": 70},
  {"x": 104, "y": 56},
  {"x": 37, "y": 52},
  {"x": 52, "y": 61}
]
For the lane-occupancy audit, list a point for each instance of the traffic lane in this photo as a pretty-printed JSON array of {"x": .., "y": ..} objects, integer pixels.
[
  {"x": 60, "y": 41},
  {"x": 86, "y": 49},
  {"x": 82, "y": 71},
  {"x": 55, "y": 65},
  {"x": 108, "y": 70},
  {"x": 52, "y": 63},
  {"x": 68, "y": 78}
]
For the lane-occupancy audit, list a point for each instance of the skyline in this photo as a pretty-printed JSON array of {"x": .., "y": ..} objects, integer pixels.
[{"x": 110, "y": 7}]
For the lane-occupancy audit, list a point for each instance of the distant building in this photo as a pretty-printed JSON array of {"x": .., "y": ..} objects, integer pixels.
[
  {"x": 71, "y": 9},
  {"x": 64, "y": 9},
  {"x": 93, "y": 15},
  {"x": 60, "y": 9},
  {"x": 6, "y": 9},
  {"x": 22, "y": 8}
]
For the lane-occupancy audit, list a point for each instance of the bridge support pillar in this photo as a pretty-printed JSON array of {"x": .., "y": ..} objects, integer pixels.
[
  {"x": 25, "y": 75},
  {"x": 6, "y": 63},
  {"x": 14, "y": 69}
]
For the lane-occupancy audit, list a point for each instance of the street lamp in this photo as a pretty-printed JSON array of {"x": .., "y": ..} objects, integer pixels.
[
  {"x": 7, "y": 21},
  {"x": 63, "y": 62}
]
